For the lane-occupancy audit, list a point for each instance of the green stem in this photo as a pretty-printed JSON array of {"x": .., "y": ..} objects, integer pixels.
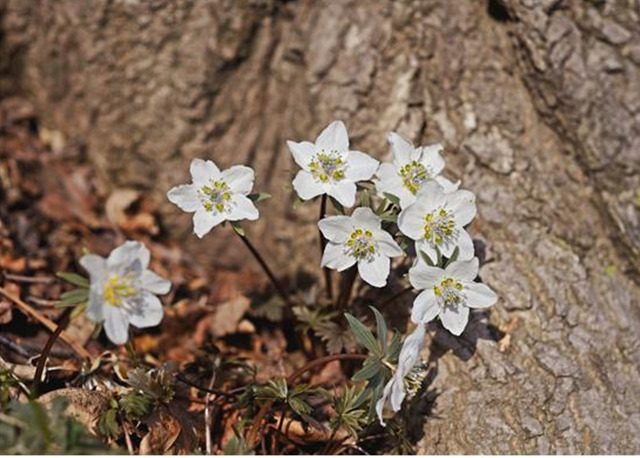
[{"x": 267, "y": 270}]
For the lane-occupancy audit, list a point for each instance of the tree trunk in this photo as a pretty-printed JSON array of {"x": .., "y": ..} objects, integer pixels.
[{"x": 537, "y": 103}]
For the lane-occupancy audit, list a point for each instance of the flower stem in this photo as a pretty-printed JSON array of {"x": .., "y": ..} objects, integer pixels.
[
  {"x": 346, "y": 286},
  {"x": 323, "y": 244},
  {"x": 42, "y": 361},
  {"x": 267, "y": 270}
]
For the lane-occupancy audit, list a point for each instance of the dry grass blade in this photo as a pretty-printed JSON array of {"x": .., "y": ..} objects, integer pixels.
[{"x": 50, "y": 325}]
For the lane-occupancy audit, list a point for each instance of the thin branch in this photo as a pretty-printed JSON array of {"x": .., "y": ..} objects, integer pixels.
[
  {"x": 322, "y": 361},
  {"x": 396, "y": 296},
  {"x": 281, "y": 291},
  {"x": 50, "y": 325},
  {"x": 26, "y": 279}
]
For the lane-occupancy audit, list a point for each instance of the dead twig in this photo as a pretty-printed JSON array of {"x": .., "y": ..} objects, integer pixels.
[{"x": 50, "y": 325}]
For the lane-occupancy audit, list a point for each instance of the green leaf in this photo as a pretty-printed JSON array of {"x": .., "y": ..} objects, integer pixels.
[
  {"x": 394, "y": 348},
  {"x": 363, "y": 334},
  {"x": 365, "y": 198},
  {"x": 74, "y": 279},
  {"x": 259, "y": 197},
  {"x": 368, "y": 371},
  {"x": 382, "y": 207},
  {"x": 381, "y": 329},
  {"x": 427, "y": 259},
  {"x": 238, "y": 228},
  {"x": 395, "y": 200},
  {"x": 453, "y": 256},
  {"x": 73, "y": 297},
  {"x": 389, "y": 218}
]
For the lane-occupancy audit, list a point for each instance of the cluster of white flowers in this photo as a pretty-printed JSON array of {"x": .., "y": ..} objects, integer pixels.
[{"x": 432, "y": 213}]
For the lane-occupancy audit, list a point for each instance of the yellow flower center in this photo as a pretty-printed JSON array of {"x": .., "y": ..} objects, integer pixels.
[
  {"x": 328, "y": 166},
  {"x": 449, "y": 292},
  {"x": 216, "y": 196},
  {"x": 440, "y": 227},
  {"x": 414, "y": 175},
  {"x": 118, "y": 288},
  {"x": 361, "y": 245}
]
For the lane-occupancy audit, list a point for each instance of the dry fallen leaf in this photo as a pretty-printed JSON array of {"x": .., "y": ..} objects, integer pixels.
[{"x": 118, "y": 203}]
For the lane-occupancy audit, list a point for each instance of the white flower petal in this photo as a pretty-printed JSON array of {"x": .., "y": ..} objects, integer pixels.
[
  {"x": 432, "y": 159},
  {"x": 400, "y": 147},
  {"x": 302, "y": 153},
  {"x": 463, "y": 203},
  {"x": 204, "y": 221},
  {"x": 409, "y": 356},
  {"x": 375, "y": 272},
  {"x": 454, "y": 320},
  {"x": 202, "y": 172},
  {"x": 365, "y": 218},
  {"x": 448, "y": 186},
  {"x": 431, "y": 196},
  {"x": 95, "y": 265},
  {"x": 463, "y": 270},
  {"x": 428, "y": 249},
  {"x": 116, "y": 324},
  {"x": 380, "y": 404},
  {"x": 239, "y": 178},
  {"x": 423, "y": 276},
  {"x": 411, "y": 221},
  {"x": 306, "y": 186},
  {"x": 465, "y": 246},
  {"x": 479, "y": 296},
  {"x": 243, "y": 208},
  {"x": 344, "y": 192},
  {"x": 387, "y": 245},
  {"x": 96, "y": 304},
  {"x": 334, "y": 257},
  {"x": 360, "y": 166},
  {"x": 407, "y": 198},
  {"x": 425, "y": 307},
  {"x": 336, "y": 228},
  {"x": 127, "y": 253},
  {"x": 386, "y": 172},
  {"x": 334, "y": 137},
  {"x": 148, "y": 313},
  {"x": 154, "y": 283},
  {"x": 186, "y": 197}
]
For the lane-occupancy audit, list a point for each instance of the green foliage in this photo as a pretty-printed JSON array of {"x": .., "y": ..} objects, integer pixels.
[
  {"x": 74, "y": 279},
  {"x": 7, "y": 382},
  {"x": 108, "y": 425},
  {"x": 32, "y": 429},
  {"x": 259, "y": 197},
  {"x": 384, "y": 352},
  {"x": 322, "y": 322},
  {"x": 350, "y": 412},
  {"x": 278, "y": 390},
  {"x": 237, "y": 446},
  {"x": 272, "y": 310},
  {"x": 135, "y": 405},
  {"x": 237, "y": 227},
  {"x": 78, "y": 297},
  {"x": 157, "y": 384}
]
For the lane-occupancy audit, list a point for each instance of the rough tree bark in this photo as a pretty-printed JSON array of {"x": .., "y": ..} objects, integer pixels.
[{"x": 537, "y": 102}]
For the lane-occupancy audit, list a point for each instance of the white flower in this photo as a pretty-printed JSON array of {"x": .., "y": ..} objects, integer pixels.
[
  {"x": 123, "y": 290},
  {"x": 359, "y": 238},
  {"x": 328, "y": 167},
  {"x": 410, "y": 170},
  {"x": 409, "y": 356},
  {"x": 448, "y": 293},
  {"x": 215, "y": 196},
  {"x": 437, "y": 220}
]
